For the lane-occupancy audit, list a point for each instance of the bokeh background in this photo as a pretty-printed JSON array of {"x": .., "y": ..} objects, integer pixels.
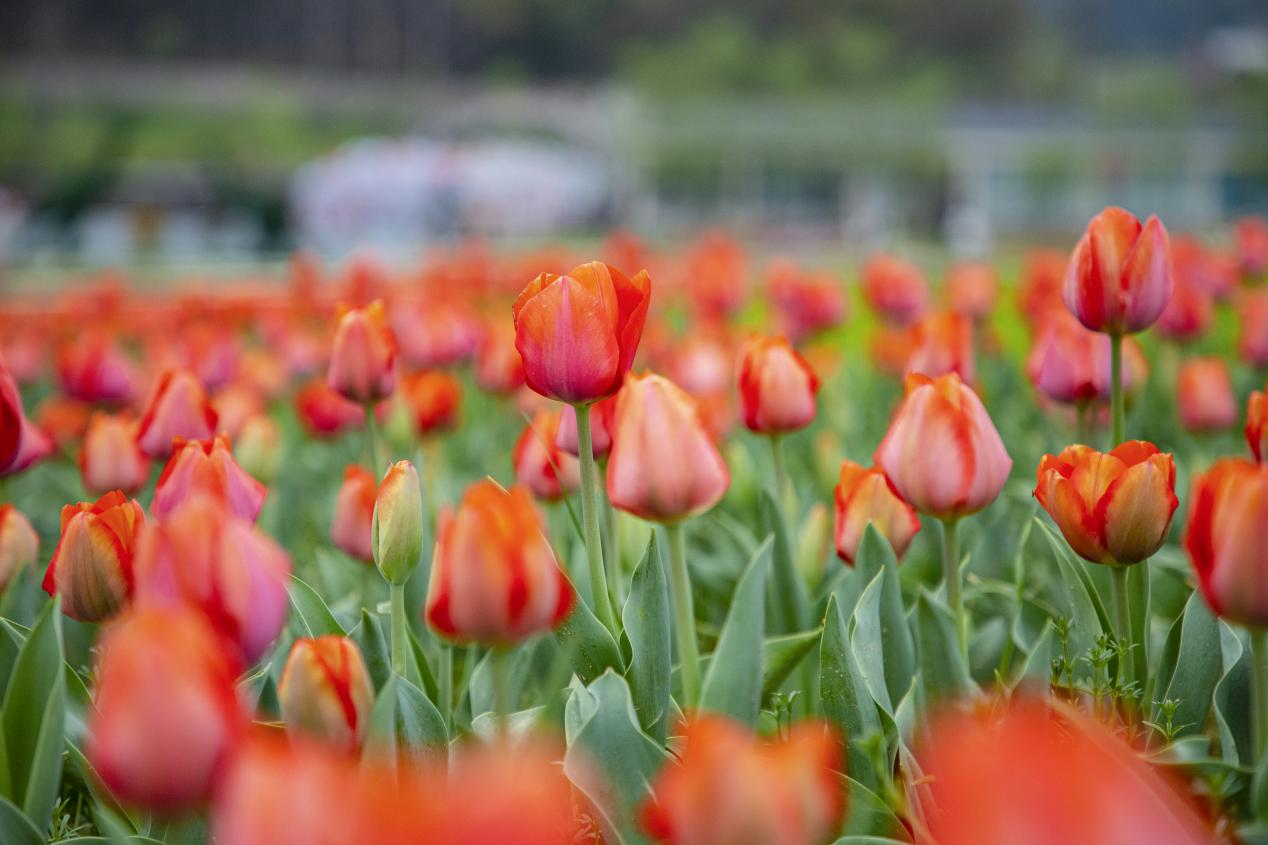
[{"x": 183, "y": 132}]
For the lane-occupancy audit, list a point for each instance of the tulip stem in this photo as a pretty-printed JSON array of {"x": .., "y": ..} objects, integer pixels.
[
  {"x": 684, "y": 615},
  {"x": 1122, "y": 622},
  {"x": 444, "y": 684},
  {"x": 612, "y": 548},
  {"x": 397, "y": 592},
  {"x": 590, "y": 521},
  {"x": 1116, "y": 388},
  {"x": 1259, "y": 689},
  {"x": 781, "y": 473},
  {"x": 951, "y": 574},
  {"x": 375, "y": 442}
]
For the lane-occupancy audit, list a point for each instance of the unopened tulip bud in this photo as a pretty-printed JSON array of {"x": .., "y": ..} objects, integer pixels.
[
  {"x": 363, "y": 358},
  {"x": 258, "y": 449},
  {"x": 1120, "y": 277},
  {"x": 178, "y": 408},
  {"x": 777, "y": 386},
  {"x": 1204, "y": 395},
  {"x": 863, "y": 496},
  {"x": 397, "y": 526},
  {"x": 1228, "y": 510},
  {"x": 92, "y": 565},
  {"x": 92, "y": 368},
  {"x": 21, "y": 443},
  {"x": 19, "y": 544},
  {"x": 1257, "y": 425},
  {"x": 110, "y": 458},
  {"x": 207, "y": 467},
  {"x": 325, "y": 691},
  {"x": 942, "y": 343}
]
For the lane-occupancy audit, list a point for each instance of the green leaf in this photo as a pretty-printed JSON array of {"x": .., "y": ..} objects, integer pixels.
[
  {"x": 1037, "y": 668},
  {"x": 942, "y": 668},
  {"x": 374, "y": 648},
  {"x": 788, "y": 600},
  {"x": 1186, "y": 671},
  {"x": 844, "y": 697},
  {"x": 404, "y": 718},
  {"x": 733, "y": 683},
  {"x": 869, "y": 817},
  {"x": 782, "y": 655},
  {"x": 16, "y": 828},
  {"x": 1232, "y": 698},
  {"x": 882, "y": 640},
  {"x": 874, "y": 554},
  {"x": 646, "y": 621},
  {"x": 1087, "y": 615},
  {"x": 312, "y": 617},
  {"x": 591, "y": 645}
]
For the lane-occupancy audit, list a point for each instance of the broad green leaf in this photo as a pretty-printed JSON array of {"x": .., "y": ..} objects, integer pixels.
[
  {"x": 1232, "y": 698},
  {"x": 518, "y": 673},
  {"x": 311, "y": 618},
  {"x": 1187, "y": 672},
  {"x": 788, "y": 606},
  {"x": 590, "y": 643},
  {"x": 874, "y": 554},
  {"x": 733, "y": 682},
  {"x": 374, "y": 648},
  {"x": 844, "y": 697},
  {"x": 16, "y": 828},
  {"x": 782, "y": 655},
  {"x": 1037, "y": 667},
  {"x": 869, "y": 818},
  {"x": 942, "y": 669},
  {"x": 404, "y": 719},
  {"x": 646, "y": 621},
  {"x": 1087, "y": 617},
  {"x": 882, "y": 640}
]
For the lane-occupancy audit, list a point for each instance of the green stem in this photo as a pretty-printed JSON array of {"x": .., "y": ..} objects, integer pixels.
[
  {"x": 951, "y": 574},
  {"x": 1083, "y": 421},
  {"x": 684, "y": 615},
  {"x": 375, "y": 443},
  {"x": 1259, "y": 690},
  {"x": 444, "y": 684},
  {"x": 1116, "y": 388},
  {"x": 781, "y": 473},
  {"x": 499, "y": 659},
  {"x": 397, "y": 592},
  {"x": 612, "y": 550},
  {"x": 590, "y": 521},
  {"x": 1122, "y": 621}
]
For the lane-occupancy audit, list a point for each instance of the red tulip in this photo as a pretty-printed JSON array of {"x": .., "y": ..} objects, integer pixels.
[
  {"x": 178, "y": 408},
  {"x": 602, "y": 415},
  {"x": 498, "y": 368},
  {"x": 350, "y": 530},
  {"x": 895, "y": 289},
  {"x": 19, "y": 544},
  {"x": 1188, "y": 315},
  {"x": 942, "y": 452},
  {"x": 325, "y": 691},
  {"x": 1204, "y": 395},
  {"x": 92, "y": 565},
  {"x": 1068, "y": 363},
  {"x": 207, "y": 467},
  {"x": 972, "y": 290},
  {"x": 166, "y": 717},
  {"x": 1228, "y": 510},
  {"x": 663, "y": 465},
  {"x": 777, "y": 386},
  {"x": 1257, "y": 424},
  {"x": 21, "y": 444},
  {"x": 1119, "y": 278},
  {"x": 863, "y": 496},
  {"x": 92, "y": 368},
  {"x": 941, "y": 344},
  {"x": 363, "y": 358},
  {"x": 110, "y": 458},
  {"x": 1251, "y": 235},
  {"x": 1252, "y": 339},
  {"x": 326, "y": 413},
  {"x": 577, "y": 334},
  {"x": 540, "y": 465},
  {"x": 806, "y": 303},
  {"x": 494, "y": 577},
  {"x": 433, "y": 398},
  {"x": 1113, "y": 508}
]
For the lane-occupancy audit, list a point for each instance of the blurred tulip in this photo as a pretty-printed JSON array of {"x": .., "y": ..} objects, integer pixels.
[
  {"x": 942, "y": 452},
  {"x": 972, "y": 290},
  {"x": 895, "y": 289},
  {"x": 1188, "y": 314},
  {"x": 1113, "y": 508},
  {"x": 1252, "y": 338},
  {"x": 892, "y": 348},
  {"x": 777, "y": 386},
  {"x": 325, "y": 413},
  {"x": 1251, "y": 238},
  {"x": 234, "y": 404},
  {"x": 63, "y": 421},
  {"x": 166, "y": 718},
  {"x": 21, "y": 444},
  {"x": 258, "y": 448},
  {"x": 602, "y": 415},
  {"x": 1039, "y": 294},
  {"x": 325, "y": 691},
  {"x": 435, "y": 333},
  {"x": 540, "y": 465},
  {"x": 432, "y": 398},
  {"x": 92, "y": 564},
  {"x": 352, "y": 527},
  {"x": 806, "y": 303},
  {"x": 92, "y": 368},
  {"x": 1068, "y": 363},
  {"x": 204, "y": 556},
  {"x": 498, "y": 368},
  {"x": 1257, "y": 425},
  {"x": 942, "y": 343},
  {"x": 1224, "y": 536},
  {"x": 396, "y": 528},
  {"x": 663, "y": 465},
  {"x": 494, "y": 577},
  {"x": 110, "y": 458},
  {"x": 981, "y": 786},
  {"x": 207, "y": 467},
  {"x": 731, "y": 788},
  {"x": 1208, "y": 271},
  {"x": 363, "y": 357},
  {"x": 19, "y": 544},
  {"x": 210, "y": 352},
  {"x": 715, "y": 270},
  {"x": 1119, "y": 278},
  {"x": 577, "y": 334},
  {"x": 863, "y": 496},
  {"x": 1204, "y": 395},
  {"x": 178, "y": 408}
]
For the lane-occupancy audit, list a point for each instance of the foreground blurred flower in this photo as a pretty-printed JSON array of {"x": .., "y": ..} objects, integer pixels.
[
  {"x": 577, "y": 334},
  {"x": 165, "y": 718},
  {"x": 207, "y": 467},
  {"x": 895, "y": 289},
  {"x": 540, "y": 465},
  {"x": 494, "y": 576},
  {"x": 351, "y": 528},
  {"x": 1204, "y": 395},
  {"x": 972, "y": 290},
  {"x": 1228, "y": 509},
  {"x": 325, "y": 691},
  {"x": 258, "y": 448},
  {"x": 19, "y": 544},
  {"x": 363, "y": 357},
  {"x": 863, "y": 496},
  {"x": 324, "y": 412},
  {"x": 1113, "y": 508},
  {"x": 205, "y": 557},
  {"x": 92, "y": 564},
  {"x": 21, "y": 444},
  {"x": 777, "y": 386},
  {"x": 177, "y": 408},
  {"x": 396, "y": 528},
  {"x": 602, "y": 417},
  {"x": 1257, "y": 425},
  {"x": 981, "y": 786},
  {"x": 730, "y": 788},
  {"x": 1119, "y": 278},
  {"x": 92, "y": 368},
  {"x": 110, "y": 458},
  {"x": 942, "y": 343}
]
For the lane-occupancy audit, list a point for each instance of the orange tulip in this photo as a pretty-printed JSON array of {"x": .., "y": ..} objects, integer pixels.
[
  {"x": 325, "y": 691},
  {"x": 1204, "y": 395},
  {"x": 437, "y": 332},
  {"x": 19, "y": 544},
  {"x": 324, "y": 412},
  {"x": 1257, "y": 424},
  {"x": 21, "y": 444},
  {"x": 1113, "y": 508},
  {"x": 540, "y": 465},
  {"x": 895, "y": 289},
  {"x": 63, "y": 421},
  {"x": 942, "y": 452},
  {"x": 731, "y": 788},
  {"x": 777, "y": 386},
  {"x": 433, "y": 398},
  {"x": 234, "y": 404},
  {"x": 494, "y": 576},
  {"x": 1039, "y": 293},
  {"x": 577, "y": 334},
  {"x": 942, "y": 343},
  {"x": 972, "y": 290},
  {"x": 92, "y": 565},
  {"x": 862, "y": 496},
  {"x": 1119, "y": 278},
  {"x": 663, "y": 465},
  {"x": 1228, "y": 510},
  {"x": 110, "y": 458},
  {"x": 350, "y": 530},
  {"x": 602, "y": 416},
  {"x": 207, "y": 467},
  {"x": 178, "y": 408},
  {"x": 498, "y": 368},
  {"x": 363, "y": 357},
  {"x": 715, "y": 270}
]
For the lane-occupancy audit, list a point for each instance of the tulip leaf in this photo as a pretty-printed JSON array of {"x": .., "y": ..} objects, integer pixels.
[
  {"x": 312, "y": 617},
  {"x": 1187, "y": 674},
  {"x": 1087, "y": 616},
  {"x": 374, "y": 648},
  {"x": 1037, "y": 667},
  {"x": 882, "y": 640},
  {"x": 646, "y": 621},
  {"x": 788, "y": 600},
  {"x": 1232, "y": 698},
  {"x": 519, "y": 669},
  {"x": 733, "y": 683},
  {"x": 874, "y": 554},
  {"x": 943, "y": 672},
  {"x": 782, "y": 655},
  {"x": 404, "y": 718},
  {"x": 16, "y": 828},
  {"x": 591, "y": 644},
  {"x": 869, "y": 818},
  {"x": 844, "y": 697}
]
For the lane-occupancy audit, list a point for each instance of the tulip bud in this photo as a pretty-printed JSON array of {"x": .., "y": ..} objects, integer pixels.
[
  {"x": 1228, "y": 510},
  {"x": 435, "y": 332},
  {"x": 19, "y": 544},
  {"x": 942, "y": 343},
  {"x": 1188, "y": 315},
  {"x": 807, "y": 303},
  {"x": 325, "y": 691},
  {"x": 1257, "y": 424},
  {"x": 352, "y": 526},
  {"x": 865, "y": 496},
  {"x": 663, "y": 466},
  {"x": 972, "y": 290},
  {"x": 1119, "y": 278},
  {"x": 178, "y": 408},
  {"x": 498, "y": 368},
  {"x": 540, "y": 465},
  {"x": 602, "y": 415},
  {"x": 1251, "y": 241},
  {"x": 63, "y": 421},
  {"x": 324, "y": 412},
  {"x": 397, "y": 526},
  {"x": 92, "y": 368},
  {"x": 895, "y": 289},
  {"x": 942, "y": 452},
  {"x": 1068, "y": 363},
  {"x": 207, "y": 467},
  {"x": 494, "y": 577},
  {"x": 1204, "y": 395},
  {"x": 110, "y": 458},
  {"x": 1113, "y": 508},
  {"x": 21, "y": 444},
  {"x": 166, "y": 717},
  {"x": 258, "y": 449},
  {"x": 363, "y": 358},
  {"x": 577, "y": 334},
  {"x": 92, "y": 564},
  {"x": 777, "y": 386}
]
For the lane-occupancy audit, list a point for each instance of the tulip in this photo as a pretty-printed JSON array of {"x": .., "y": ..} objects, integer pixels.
[
  {"x": 325, "y": 691},
  {"x": 178, "y": 408},
  {"x": 807, "y": 303},
  {"x": 1251, "y": 236},
  {"x": 498, "y": 368},
  {"x": 396, "y": 531},
  {"x": 602, "y": 415},
  {"x": 1039, "y": 294},
  {"x": 166, "y": 718},
  {"x": 63, "y": 421},
  {"x": 363, "y": 358},
  {"x": 207, "y": 467},
  {"x": 432, "y": 398},
  {"x": 1068, "y": 363},
  {"x": 1120, "y": 277},
  {"x": 1228, "y": 508},
  {"x": 715, "y": 275},
  {"x": 19, "y": 544},
  {"x": 234, "y": 404},
  {"x": 436, "y": 333},
  {"x": 324, "y": 412},
  {"x": 1257, "y": 424},
  {"x": 92, "y": 368},
  {"x": 1252, "y": 338},
  {"x": 110, "y": 458},
  {"x": 895, "y": 289},
  {"x": 351, "y": 529},
  {"x": 258, "y": 449},
  {"x": 204, "y": 556},
  {"x": 92, "y": 564},
  {"x": 777, "y": 386},
  {"x": 863, "y": 496},
  {"x": 891, "y": 349},
  {"x": 1188, "y": 315},
  {"x": 941, "y": 344},
  {"x": 540, "y": 465},
  {"x": 1204, "y": 395},
  {"x": 972, "y": 290},
  {"x": 730, "y": 788},
  {"x": 21, "y": 444}
]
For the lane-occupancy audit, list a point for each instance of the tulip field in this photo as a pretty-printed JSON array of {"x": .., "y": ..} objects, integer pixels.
[{"x": 634, "y": 543}]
